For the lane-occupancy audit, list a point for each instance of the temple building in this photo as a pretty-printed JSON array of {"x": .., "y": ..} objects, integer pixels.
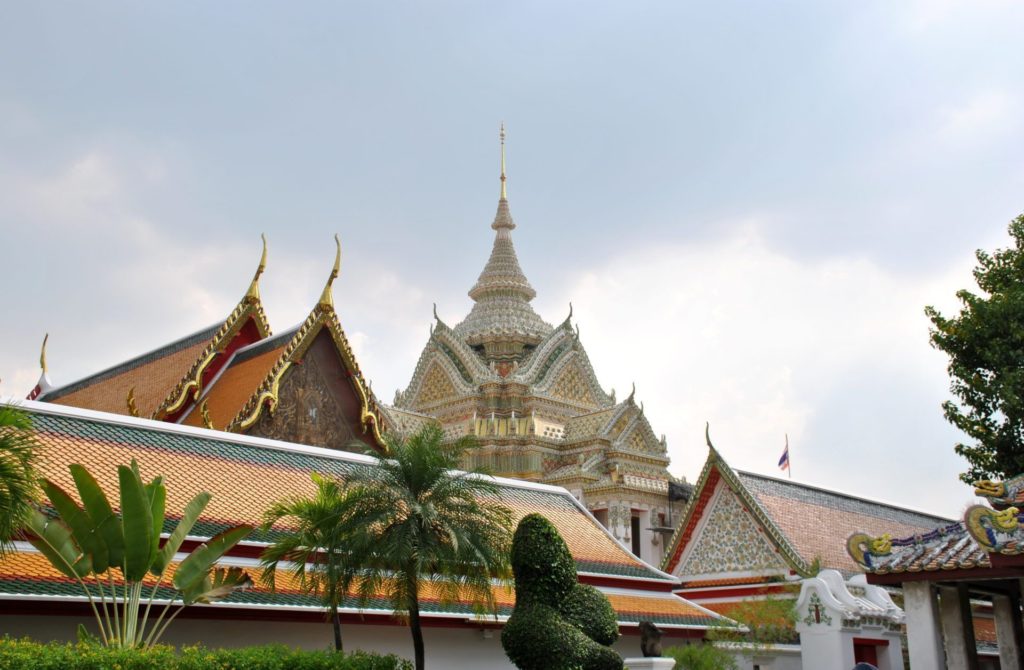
[
  {"x": 527, "y": 391},
  {"x": 524, "y": 388},
  {"x": 245, "y": 475},
  {"x": 302, "y": 385}
]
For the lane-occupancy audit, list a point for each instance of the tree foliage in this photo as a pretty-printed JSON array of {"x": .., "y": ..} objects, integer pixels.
[
  {"x": 985, "y": 345},
  {"x": 425, "y": 522},
  {"x": 18, "y": 489},
  {"x": 318, "y": 544},
  {"x": 88, "y": 542},
  {"x": 703, "y": 656}
]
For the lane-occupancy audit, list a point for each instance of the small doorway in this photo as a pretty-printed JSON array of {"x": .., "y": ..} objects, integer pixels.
[{"x": 865, "y": 650}]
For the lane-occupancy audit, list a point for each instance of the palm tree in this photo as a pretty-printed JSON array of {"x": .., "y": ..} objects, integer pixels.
[
  {"x": 427, "y": 522},
  {"x": 319, "y": 544},
  {"x": 18, "y": 489}
]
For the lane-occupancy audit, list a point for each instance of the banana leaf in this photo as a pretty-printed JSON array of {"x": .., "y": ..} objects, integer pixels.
[
  {"x": 218, "y": 583},
  {"x": 82, "y": 529},
  {"x": 198, "y": 563},
  {"x": 188, "y": 519},
  {"x": 54, "y": 540},
  {"x": 107, "y": 524},
  {"x": 137, "y": 520}
]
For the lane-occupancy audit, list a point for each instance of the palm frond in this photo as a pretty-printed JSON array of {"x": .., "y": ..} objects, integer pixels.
[{"x": 18, "y": 484}]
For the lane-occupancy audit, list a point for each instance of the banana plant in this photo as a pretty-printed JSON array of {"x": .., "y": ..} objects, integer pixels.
[{"x": 90, "y": 542}]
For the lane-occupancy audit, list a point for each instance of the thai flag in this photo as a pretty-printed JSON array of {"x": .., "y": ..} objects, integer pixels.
[{"x": 784, "y": 461}]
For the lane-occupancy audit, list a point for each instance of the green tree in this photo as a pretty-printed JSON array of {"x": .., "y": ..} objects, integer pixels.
[
  {"x": 322, "y": 531},
  {"x": 428, "y": 523},
  {"x": 88, "y": 542},
  {"x": 985, "y": 345},
  {"x": 703, "y": 656},
  {"x": 18, "y": 489}
]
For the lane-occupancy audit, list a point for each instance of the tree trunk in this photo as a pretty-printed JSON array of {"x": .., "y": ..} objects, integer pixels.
[
  {"x": 414, "y": 624},
  {"x": 336, "y": 620}
]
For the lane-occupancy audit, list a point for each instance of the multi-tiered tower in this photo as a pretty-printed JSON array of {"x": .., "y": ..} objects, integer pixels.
[{"x": 527, "y": 390}]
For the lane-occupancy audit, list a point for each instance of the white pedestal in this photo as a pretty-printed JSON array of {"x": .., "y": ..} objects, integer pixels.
[{"x": 663, "y": 663}]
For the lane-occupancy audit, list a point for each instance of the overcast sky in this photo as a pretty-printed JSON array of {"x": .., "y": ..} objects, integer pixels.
[{"x": 749, "y": 204}]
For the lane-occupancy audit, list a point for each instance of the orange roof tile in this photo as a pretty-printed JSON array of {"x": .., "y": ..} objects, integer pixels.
[
  {"x": 152, "y": 376},
  {"x": 725, "y": 581},
  {"x": 246, "y": 474},
  {"x": 819, "y": 530},
  {"x": 237, "y": 383}
]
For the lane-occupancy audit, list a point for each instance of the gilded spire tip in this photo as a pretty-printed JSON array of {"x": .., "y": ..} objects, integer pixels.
[
  {"x": 501, "y": 134},
  {"x": 327, "y": 298},
  {"x": 42, "y": 354},
  {"x": 254, "y": 287}
]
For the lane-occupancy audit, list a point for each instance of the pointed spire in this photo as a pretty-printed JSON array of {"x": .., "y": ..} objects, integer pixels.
[
  {"x": 503, "y": 217},
  {"x": 502, "y": 293},
  {"x": 44, "y": 384},
  {"x": 327, "y": 298},
  {"x": 42, "y": 354},
  {"x": 254, "y": 286},
  {"x": 504, "y": 193}
]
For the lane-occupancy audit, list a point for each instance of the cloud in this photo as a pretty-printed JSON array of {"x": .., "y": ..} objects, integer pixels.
[
  {"x": 761, "y": 345},
  {"x": 986, "y": 116}
]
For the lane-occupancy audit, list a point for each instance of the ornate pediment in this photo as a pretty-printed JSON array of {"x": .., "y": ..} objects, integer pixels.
[
  {"x": 435, "y": 388},
  {"x": 573, "y": 387},
  {"x": 729, "y": 539}
]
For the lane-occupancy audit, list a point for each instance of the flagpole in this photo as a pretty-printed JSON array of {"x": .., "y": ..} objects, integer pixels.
[{"x": 790, "y": 458}]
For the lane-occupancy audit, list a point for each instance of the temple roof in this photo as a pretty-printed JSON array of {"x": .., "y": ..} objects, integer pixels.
[
  {"x": 152, "y": 375},
  {"x": 238, "y": 381},
  {"x": 245, "y": 475},
  {"x": 964, "y": 544},
  {"x": 502, "y": 294},
  {"x": 806, "y": 524},
  {"x": 163, "y": 383}
]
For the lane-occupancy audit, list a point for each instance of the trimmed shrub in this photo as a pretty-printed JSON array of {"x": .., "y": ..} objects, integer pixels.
[
  {"x": 26, "y": 653},
  {"x": 590, "y": 611},
  {"x": 557, "y": 623},
  {"x": 544, "y": 569}
]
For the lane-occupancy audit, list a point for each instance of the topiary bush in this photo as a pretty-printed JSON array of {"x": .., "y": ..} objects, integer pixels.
[{"x": 557, "y": 623}]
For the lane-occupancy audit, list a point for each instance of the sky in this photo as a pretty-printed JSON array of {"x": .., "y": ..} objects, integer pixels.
[{"x": 748, "y": 204}]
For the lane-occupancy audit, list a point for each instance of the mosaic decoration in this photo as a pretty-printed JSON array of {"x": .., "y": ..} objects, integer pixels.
[
  {"x": 731, "y": 541},
  {"x": 436, "y": 387},
  {"x": 816, "y": 612},
  {"x": 572, "y": 386},
  {"x": 995, "y": 532},
  {"x": 1001, "y": 493}
]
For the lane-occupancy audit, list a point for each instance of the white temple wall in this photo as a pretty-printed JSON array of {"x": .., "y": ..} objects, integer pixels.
[{"x": 446, "y": 648}]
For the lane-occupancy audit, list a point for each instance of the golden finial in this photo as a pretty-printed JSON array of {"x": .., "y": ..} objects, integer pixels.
[
  {"x": 326, "y": 298},
  {"x": 204, "y": 412},
  {"x": 42, "y": 354},
  {"x": 132, "y": 407},
  {"x": 254, "y": 287},
  {"x": 504, "y": 194}
]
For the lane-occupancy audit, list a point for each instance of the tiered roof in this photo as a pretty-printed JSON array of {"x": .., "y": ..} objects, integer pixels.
[
  {"x": 150, "y": 375},
  {"x": 502, "y": 294},
  {"x": 229, "y": 375},
  {"x": 245, "y": 475},
  {"x": 165, "y": 382}
]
